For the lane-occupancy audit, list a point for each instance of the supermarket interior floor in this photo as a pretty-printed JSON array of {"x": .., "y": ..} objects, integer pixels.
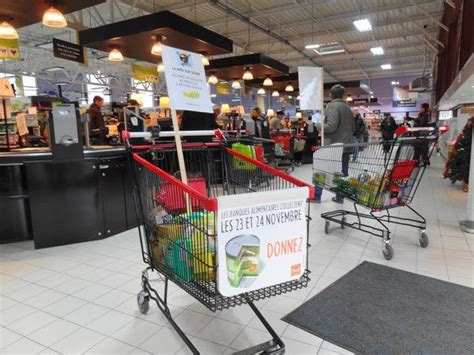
[{"x": 82, "y": 298}]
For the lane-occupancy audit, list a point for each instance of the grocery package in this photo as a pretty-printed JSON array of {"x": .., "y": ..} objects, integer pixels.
[
  {"x": 173, "y": 199},
  {"x": 247, "y": 150}
]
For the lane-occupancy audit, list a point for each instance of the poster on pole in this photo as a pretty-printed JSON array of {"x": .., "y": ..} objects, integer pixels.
[
  {"x": 261, "y": 239},
  {"x": 310, "y": 80},
  {"x": 9, "y": 49},
  {"x": 186, "y": 80}
]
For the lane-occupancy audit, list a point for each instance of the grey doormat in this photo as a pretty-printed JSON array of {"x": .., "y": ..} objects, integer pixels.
[{"x": 375, "y": 309}]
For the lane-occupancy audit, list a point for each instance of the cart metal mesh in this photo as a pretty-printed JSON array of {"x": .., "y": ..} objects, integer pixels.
[
  {"x": 180, "y": 220},
  {"x": 379, "y": 175}
]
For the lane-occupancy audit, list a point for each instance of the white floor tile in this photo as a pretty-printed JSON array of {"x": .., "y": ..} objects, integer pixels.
[
  {"x": 220, "y": 331},
  {"x": 64, "y": 306},
  {"x": 136, "y": 332},
  {"x": 86, "y": 314},
  {"x": 23, "y": 346},
  {"x": 54, "y": 332},
  {"x": 11, "y": 314},
  {"x": 111, "y": 346},
  {"x": 298, "y": 347},
  {"x": 165, "y": 341},
  {"x": 110, "y": 322},
  {"x": 113, "y": 299},
  {"x": 78, "y": 342},
  {"x": 8, "y": 337},
  {"x": 45, "y": 299},
  {"x": 32, "y": 322}
]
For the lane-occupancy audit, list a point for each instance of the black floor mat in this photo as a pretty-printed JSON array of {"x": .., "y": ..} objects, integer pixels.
[{"x": 375, "y": 309}]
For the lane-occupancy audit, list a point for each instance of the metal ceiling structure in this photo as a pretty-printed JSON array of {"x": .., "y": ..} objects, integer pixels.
[{"x": 406, "y": 29}]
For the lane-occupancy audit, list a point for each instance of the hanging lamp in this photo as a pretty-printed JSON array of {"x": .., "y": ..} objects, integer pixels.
[
  {"x": 212, "y": 79},
  {"x": 160, "y": 68},
  {"x": 247, "y": 74},
  {"x": 268, "y": 81},
  {"x": 236, "y": 84},
  {"x": 261, "y": 91},
  {"x": 157, "y": 48},
  {"x": 205, "y": 59},
  {"x": 54, "y": 18},
  {"x": 7, "y": 31},
  {"x": 289, "y": 88},
  {"x": 115, "y": 55},
  {"x": 275, "y": 93}
]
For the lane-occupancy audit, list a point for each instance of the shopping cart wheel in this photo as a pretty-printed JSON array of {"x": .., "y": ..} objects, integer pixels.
[
  {"x": 326, "y": 227},
  {"x": 387, "y": 251},
  {"x": 343, "y": 220},
  {"x": 143, "y": 302},
  {"x": 423, "y": 239}
]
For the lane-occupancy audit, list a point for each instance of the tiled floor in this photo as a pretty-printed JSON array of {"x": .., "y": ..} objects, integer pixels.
[{"x": 81, "y": 298}]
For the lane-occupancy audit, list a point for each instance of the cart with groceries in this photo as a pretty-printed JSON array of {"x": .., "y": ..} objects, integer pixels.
[
  {"x": 201, "y": 235},
  {"x": 384, "y": 177}
]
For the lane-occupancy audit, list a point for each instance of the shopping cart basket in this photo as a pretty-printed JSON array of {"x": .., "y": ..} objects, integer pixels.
[
  {"x": 179, "y": 225},
  {"x": 385, "y": 175},
  {"x": 284, "y": 149}
]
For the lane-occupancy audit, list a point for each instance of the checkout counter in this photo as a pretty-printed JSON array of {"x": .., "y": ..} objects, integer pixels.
[{"x": 67, "y": 193}]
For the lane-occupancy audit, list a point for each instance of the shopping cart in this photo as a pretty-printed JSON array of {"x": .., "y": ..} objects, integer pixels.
[
  {"x": 386, "y": 175},
  {"x": 284, "y": 149},
  {"x": 179, "y": 225}
]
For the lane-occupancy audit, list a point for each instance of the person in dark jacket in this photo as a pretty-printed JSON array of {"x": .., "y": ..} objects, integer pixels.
[
  {"x": 262, "y": 127},
  {"x": 198, "y": 121},
  {"x": 422, "y": 148},
  {"x": 359, "y": 129},
  {"x": 424, "y": 117},
  {"x": 96, "y": 118},
  {"x": 388, "y": 128},
  {"x": 339, "y": 128}
]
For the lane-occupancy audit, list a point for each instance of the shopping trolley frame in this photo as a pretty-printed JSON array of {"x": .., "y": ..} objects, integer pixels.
[
  {"x": 381, "y": 214},
  {"x": 148, "y": 292}
]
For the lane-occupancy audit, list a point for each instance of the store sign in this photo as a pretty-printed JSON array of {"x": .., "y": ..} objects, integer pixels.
[
  {"x": 9, "y": 49},
  {"x": 68, "y": 51},
  {"x": 401, "y": 97},
  {"x": 310, "y": 80},
  {"x": 262, "y": 239},
  {"x": 6, "y": 89},
  {"x": 146, "y": 74},
  {"x": 445, "y": 115},
  {"x": 186, "y": 80},
  {"x": 404, "y": 103}
]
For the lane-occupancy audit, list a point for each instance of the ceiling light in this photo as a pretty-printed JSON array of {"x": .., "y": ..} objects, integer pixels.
[
  {"x": 261, "y": 91},
  {"x": 33, "y": 73},
  {"x": 53, "y": 68},
  {"x": 386, "y": 66},
  {"x": 371, "y": 93},
  {"x": 213, "y": 95},
  {"x": 160, "y": 68},
  {"x": 62, "y": 83},
  {"x": 329, "y": 48},
  {"x": 115, "y": 55},
  {"x": 289, "y": 88},
  {"x": 349, "y": 98},
  {"x": 236, "y": 85},
  {"x": 164, "y": 102},
  {"x": 270, "y": 112},
  {"x": 395, "y": 82},
  {"x": 212, "y": 79},
  {"x": 205, "y": 59},
  {"x": 377, "y": 50},
  {"x": 54, "y": 18},
  {"x": 298, "y": 97},
  {"x": 312, "y": 46},
  {"x": 225, "y": 108},
  {"x": 268, "y": 81},
  {"x": 275, "y": 93},
  {"x": 7, "y": 31},
  {"x": 363, "y": 25},
  {"x": 247, "y": 74},
  {"x": 298, "y": 115},
  {"x": 157, "y": 47}
]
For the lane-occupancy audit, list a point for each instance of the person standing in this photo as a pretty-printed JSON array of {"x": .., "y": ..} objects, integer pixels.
[
  {"x": 388, "y": 126},
  {"x": 339, "y": 127},
  {"x": 96, "y": 118},
  {"x": 359, "y": 129},
  {"x": 422, "y": 148},
  {"x": 262, "y": 128}
]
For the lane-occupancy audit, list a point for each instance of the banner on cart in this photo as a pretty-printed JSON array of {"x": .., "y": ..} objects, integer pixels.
[
  {"x": 186, "y": 80},
  {"x": 310, "y": 80},
  {"x": 262, "y": 239}
]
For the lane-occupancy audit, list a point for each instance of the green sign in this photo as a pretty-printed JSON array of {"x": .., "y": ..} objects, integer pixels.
[
  {"x": 148, "y": 74},
  {"x": 9, "y": 49}
]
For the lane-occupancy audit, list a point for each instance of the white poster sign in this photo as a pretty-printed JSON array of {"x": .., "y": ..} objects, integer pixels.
[
  {"x": 310, "y": 80},
  {"x": 186, "y": 80},
  {"x": 262, "y": 239}
]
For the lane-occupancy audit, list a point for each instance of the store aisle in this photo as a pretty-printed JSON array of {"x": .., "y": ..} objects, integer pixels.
[{"x": 81, "y": 298}]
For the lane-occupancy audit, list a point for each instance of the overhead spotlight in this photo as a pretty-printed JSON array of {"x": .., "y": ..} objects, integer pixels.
[
  {"x": 115, "y": 55},
  {"x": 236, "y": 84},
  {"x": 275, "y": 93},
  {"x": 289, "y": 88},
  {"x": 261, "y": 91}
]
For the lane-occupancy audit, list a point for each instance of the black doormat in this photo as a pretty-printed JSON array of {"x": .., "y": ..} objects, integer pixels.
[{"x": 375, "y": 309}]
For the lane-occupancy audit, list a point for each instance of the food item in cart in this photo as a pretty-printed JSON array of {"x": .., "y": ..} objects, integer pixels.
[
  {"x": 337, "y": 176},
  {"x": 243, "y": 258},
  {"x": 178, "y": 259},
  {"x": 159, "y": 215},
  {"x": 364, "y": 177},
  {"x": 393, "y": 197},
  {"x": 319, "y": 178}
]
